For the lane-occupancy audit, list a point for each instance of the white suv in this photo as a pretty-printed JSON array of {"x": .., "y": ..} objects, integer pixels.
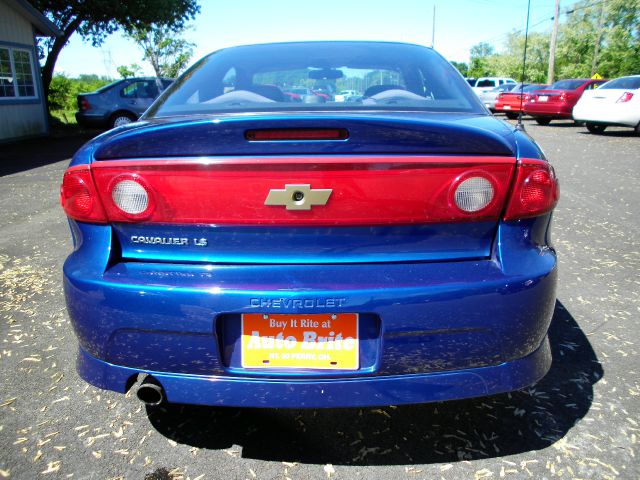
[{"x": 484, "y": 84}]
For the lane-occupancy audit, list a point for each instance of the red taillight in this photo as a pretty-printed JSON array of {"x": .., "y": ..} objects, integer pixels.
[
  {"x": 363, "y": 190},
  {"x": 297, "y": 134},
  {"x": 79, "y": 198},
  {"x": 535, "y": 191},
  {"x": 626, "y": 96},
  {"x": 84, "y": 104},
  {"x": 563, "y": 97}
]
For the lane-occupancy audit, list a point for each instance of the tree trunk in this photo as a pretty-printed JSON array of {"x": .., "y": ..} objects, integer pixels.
[{"x": 52, "y": 57}]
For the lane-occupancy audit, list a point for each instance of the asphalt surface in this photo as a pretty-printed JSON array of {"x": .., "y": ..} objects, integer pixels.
[{"x": 581, "y": 421}]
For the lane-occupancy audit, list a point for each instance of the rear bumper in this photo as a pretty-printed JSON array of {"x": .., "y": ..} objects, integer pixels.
[
  {"x": 91, "y": 120},
  {"x": 329, "y": 393},
  {"x": 436, "y": 330},
  {"x": 548, "y": 110},
  {"x": 507, "y": 107},
  {"x": 622, "y": 115}
]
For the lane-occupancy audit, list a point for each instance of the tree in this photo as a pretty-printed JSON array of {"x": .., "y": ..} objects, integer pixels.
[
  {"x": 95, "y": 19},
  {"x": 477, "y": 63},
  {"x": 604, "y": 35},
  {"x": 129, "y": 71},
  {"x": 462, "y": 67},
  {"x": 509, "y": 62},
  {"x": 163, "y": 48}
]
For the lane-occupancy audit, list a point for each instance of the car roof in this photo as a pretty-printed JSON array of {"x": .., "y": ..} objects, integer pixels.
[{"x": 328, "y": 42}]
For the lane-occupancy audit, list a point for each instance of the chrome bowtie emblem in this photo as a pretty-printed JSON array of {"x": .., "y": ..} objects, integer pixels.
[{"x": 298, "y": 197}]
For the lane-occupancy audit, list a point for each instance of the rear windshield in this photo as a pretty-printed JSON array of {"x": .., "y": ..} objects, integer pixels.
[
  {"x": 532, "y": 87},
  {"x": 308, "y": 76},
  {"x": 567, "y": 84},
  {"x": 626, "y": 83},
  {"x": 109, "y": 86}
]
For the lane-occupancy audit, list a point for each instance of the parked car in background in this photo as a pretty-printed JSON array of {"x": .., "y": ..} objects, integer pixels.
[
  {"x": 484, "y": 84},
  {"x": 345, "y": 95},
  {"x": 557, "y": 101},
  {"x": 120, "y": 102},
  {"x": 489, "y": 97},
  {"x": 239, "y": 249},
  {"x": 324, "y": 91},
  {"x": 616, "y": 103},
  {"x": 511, "y": 103}
]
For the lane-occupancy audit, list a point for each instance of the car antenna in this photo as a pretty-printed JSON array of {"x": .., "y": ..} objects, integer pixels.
[{"x": 520, "y": 125}]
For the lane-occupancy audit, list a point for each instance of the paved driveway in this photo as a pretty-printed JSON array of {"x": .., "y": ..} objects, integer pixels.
[{"x": 581, "y": 421}]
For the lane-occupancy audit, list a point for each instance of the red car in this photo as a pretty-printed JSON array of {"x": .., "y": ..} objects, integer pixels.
[
  {"x": 559, "y": 100},
  {"x": 509, "y": 102}
]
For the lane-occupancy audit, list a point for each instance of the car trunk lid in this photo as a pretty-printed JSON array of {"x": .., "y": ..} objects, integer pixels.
[{"x": 248, "y": 206}]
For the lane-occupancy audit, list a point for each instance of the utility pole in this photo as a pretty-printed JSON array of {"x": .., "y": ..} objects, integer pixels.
[
  {"x": 433, "y": 28},
  {"x": 596, "y": 50},
  {"x": 552, "y": 44}
]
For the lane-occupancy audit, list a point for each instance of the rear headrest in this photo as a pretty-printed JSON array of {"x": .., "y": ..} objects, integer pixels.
[
  {"x": 270, "y": 91},
  {"x": 371, "y": 91}
]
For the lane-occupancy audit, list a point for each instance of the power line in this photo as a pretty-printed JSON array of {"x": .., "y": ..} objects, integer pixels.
[
  {"x": 515, "y": 31},
  {"x": 584, "y": 7},
  {"x": 567, "y": 11}
]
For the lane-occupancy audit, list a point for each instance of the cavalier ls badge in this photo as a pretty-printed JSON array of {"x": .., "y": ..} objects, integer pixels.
[{"x": 298, "y": 197}]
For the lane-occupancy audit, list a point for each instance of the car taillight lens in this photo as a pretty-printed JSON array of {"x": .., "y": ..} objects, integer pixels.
[
  {"x": 132, "y": 197},
  {"x": 626, "y": 96},
  {"x": 79, "y": 198},
  {"x": 473, "y": 194},
  {"x": 84, "y": 104},
  {"x": 535, "y": 191}
]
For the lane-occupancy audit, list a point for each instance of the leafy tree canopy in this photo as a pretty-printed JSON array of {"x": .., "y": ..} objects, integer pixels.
[
  {"x": 602, "y": 37},
  {"x": 126, "y": 71},
  {"x": 95, "y": 19},
  {"x": 163, "y": 48}
]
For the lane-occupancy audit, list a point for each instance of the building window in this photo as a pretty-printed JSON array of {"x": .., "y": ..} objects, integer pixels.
[{"x": 16, "y": 74}]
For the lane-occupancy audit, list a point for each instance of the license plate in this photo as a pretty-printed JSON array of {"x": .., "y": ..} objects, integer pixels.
[
  {"x": 507, "y": 107},
  {"x": 312, "y": 341},
  {"x": 543, "y": 98}
]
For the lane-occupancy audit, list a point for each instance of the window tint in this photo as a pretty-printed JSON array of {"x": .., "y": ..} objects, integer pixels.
[
  {"x": 567, "y": 84},
  {"x": 486, "y": 83},
  {"x": 140, "y": 89},
  {"x": 623, "y": 83},
  {"x": 532, "y": 88},
  {"x": 303, "y": 76}
]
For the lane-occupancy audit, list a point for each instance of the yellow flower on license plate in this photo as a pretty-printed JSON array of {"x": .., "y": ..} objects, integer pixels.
[{"x": 313, "y": 341}]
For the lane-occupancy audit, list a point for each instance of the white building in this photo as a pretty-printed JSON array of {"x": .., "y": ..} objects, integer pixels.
[{"x": 22, "y": 107}]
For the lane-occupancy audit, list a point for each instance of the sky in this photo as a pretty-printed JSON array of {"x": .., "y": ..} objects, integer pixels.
[{"x": 460, "y": 24}]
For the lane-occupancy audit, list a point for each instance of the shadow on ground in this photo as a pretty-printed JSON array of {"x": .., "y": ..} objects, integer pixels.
[
  {"x": 32, "y": 153},
  {"x": 526, "y": 420},
  {"x": 614, "y": 133}
]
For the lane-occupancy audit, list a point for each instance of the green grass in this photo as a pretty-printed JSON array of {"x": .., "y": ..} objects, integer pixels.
[{"x": 66, "y": 117}]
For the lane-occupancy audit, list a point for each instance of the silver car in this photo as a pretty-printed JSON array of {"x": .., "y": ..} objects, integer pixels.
[
  {"x": 120, "y": 102},
  {"x": 489, "y": 97}
]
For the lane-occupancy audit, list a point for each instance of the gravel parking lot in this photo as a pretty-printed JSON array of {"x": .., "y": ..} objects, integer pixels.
[{"x": 581, "y": 421}]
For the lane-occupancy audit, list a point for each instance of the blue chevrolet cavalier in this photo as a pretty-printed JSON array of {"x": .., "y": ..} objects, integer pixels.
[{"x": 245, "y": 244}]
